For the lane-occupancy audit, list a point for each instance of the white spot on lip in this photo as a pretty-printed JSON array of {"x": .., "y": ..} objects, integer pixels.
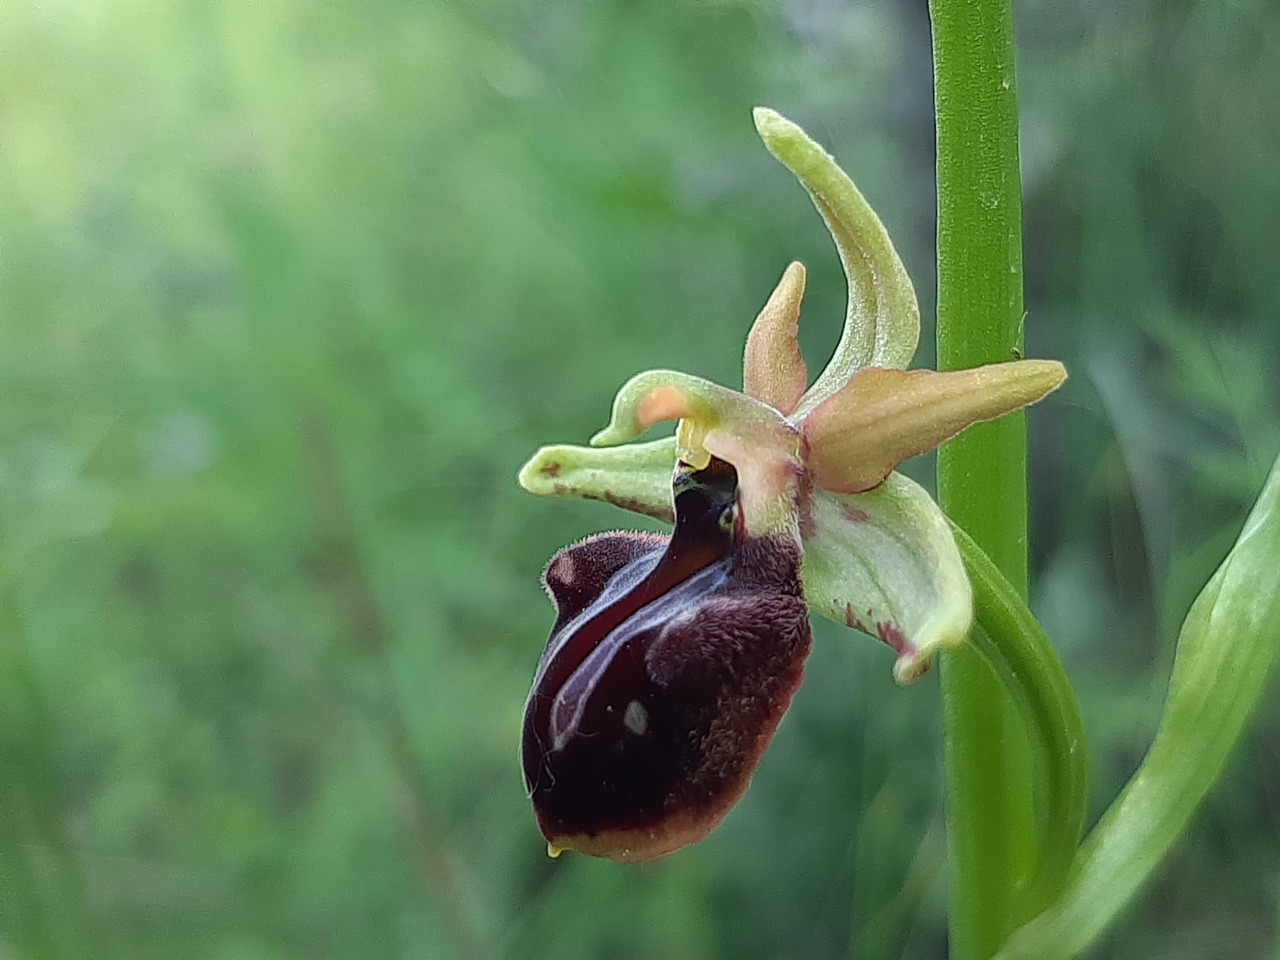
[
  {"x": 565, "y": 571},
  {"x": 636, "y": 719}
]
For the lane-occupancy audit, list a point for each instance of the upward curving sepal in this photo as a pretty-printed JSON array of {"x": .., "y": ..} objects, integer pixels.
[{"x": 882, "y": 323}]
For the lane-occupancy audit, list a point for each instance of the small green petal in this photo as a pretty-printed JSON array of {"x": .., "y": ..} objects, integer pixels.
[
  {"x": 885, "y": 562},
  {"x": 636, "y": 477},
  {"x": 882, "y": 324}
]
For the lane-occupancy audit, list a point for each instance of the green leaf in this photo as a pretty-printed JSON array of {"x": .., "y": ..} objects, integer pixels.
[
  {"x": 1228, "y": 646},
  {"x": 1012, "y": 642}
]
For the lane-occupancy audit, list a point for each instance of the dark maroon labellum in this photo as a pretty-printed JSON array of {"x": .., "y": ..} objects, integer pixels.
[{"x": 670, "y": 664}]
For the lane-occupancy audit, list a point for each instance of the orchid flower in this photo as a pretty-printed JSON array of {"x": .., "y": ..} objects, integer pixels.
[{"x": 673, "y": 659}]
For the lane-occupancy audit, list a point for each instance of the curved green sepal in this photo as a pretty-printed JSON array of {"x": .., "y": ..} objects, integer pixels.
[
  {"x": 882, "y": 323},
  {"x": 1229, "y": 643},
  {"x": 885, "y": 562},
  {"x": 636, "y": 477},
  {"x": 1014, "y": 645}
]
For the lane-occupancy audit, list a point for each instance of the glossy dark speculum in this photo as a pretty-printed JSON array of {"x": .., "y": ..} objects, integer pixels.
[{"x": 669, "y": 666}]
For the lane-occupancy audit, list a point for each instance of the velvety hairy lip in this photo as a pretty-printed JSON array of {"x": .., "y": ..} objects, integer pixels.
[{"x": 669, "y": 667}]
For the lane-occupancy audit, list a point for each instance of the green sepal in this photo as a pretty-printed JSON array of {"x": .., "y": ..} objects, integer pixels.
[
  {"x": 885, "y": 562},
  {"x": 882, "y": 322}
]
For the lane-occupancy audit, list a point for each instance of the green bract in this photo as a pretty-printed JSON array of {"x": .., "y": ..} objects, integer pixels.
[{"x": 819, "y": 462}]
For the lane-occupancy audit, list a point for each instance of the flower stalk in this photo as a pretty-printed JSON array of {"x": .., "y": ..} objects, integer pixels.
[{"x": 982, "y": 474}]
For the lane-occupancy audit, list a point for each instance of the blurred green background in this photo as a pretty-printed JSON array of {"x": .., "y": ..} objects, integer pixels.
[{"x": 288, "y": 293}]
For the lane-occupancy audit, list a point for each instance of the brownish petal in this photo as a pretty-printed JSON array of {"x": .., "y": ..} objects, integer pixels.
[
  {"x": 773, "y": 369},
  {"x": 881, "y": 417}
]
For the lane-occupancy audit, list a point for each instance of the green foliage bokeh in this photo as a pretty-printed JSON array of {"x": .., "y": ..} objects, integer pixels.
[{"x": 289, "y": 292}]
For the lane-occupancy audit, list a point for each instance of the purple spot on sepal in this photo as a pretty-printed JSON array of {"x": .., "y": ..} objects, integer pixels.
[
  {"x": 890, "y": 633},
  {"x": 854, "y": 514},
  {"x": 852, "y": 619}
]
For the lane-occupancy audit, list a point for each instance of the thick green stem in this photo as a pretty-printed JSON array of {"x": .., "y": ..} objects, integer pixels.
[{"x": 982, "y": 473}]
